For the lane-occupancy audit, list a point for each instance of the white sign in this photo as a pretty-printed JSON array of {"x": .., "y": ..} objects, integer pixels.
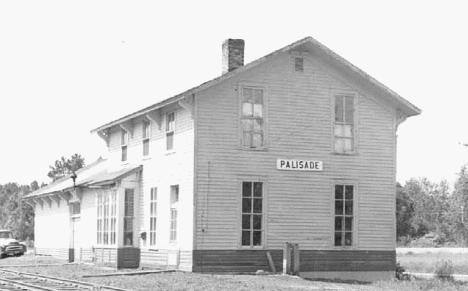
[{"x": 299, "y": 165}]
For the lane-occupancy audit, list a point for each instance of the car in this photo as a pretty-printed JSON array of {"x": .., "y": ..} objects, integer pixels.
[{"x": 9, "y": 246}]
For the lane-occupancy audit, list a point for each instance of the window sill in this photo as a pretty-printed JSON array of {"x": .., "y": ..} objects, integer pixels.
[
  {"x": 345, "y": 153},
  {"x": 259, "y": 248},
  {"x": 144, "y": 158},
  {"x": 350, "y": 248},
  {"x": 105, "y": 246},
  {"x": 168, "y": 153},
  {"x": 253, "y": 149}
]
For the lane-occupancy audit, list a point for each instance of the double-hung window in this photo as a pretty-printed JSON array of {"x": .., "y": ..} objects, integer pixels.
[
  {"x": 344, "y": 127},
  {"x": 129, "y": 211},
  {"x": 252, "y": 214},
  {"x": 106, "y": 217},
  {"x": 173, "y": 211},
  {"x": 146, "y": 137},
  {"x": 344, "y": 215},
  {"x": 153, "y": 215},
  {"x": 170, "y": 128},
  {"x": 253, "y": 117},
  {"x": 124, "y": 144}
]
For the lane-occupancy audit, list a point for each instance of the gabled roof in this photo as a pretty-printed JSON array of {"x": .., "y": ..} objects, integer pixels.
[
  {"x": 307, "y": 44},
  {"x": 97, "y": 174}
]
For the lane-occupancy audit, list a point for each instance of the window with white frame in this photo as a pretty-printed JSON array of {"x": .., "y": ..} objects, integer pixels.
[
  {"x": 129, "y": 211},
  {"x": 106, "y": 217},
  {"x": 173, "y": 211},
  {"x": 253, "y": 121},
  {"x": 252, "y": 214},
  {"x": 153, "y": 215},
  {"x": 146, "y": 137},
  {"x": 344, "y": 215},
  {"x": 170, "y": 128},
  {"x": 344, "y": 128},
  {"x": 124, "y": 144}
]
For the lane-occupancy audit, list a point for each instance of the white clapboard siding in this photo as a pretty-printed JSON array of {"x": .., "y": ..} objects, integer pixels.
[
  {"x": 162, "y": 169},
  {"x": 298, "y": 205},
  {"x": 52, "y": 226}
]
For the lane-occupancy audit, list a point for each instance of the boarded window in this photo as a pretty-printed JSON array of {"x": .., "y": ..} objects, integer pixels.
[
  {"x": 253, "y": 122},
  {"x": 252, "y": 214},
  {"x": 75, "y": 209},
  {"x": 344, "y": 124},
  {"x": 173, "y": 210},
  {"x": 146, "y": 137},
  {"x": 299, "y": 64},
  {"x": 128, "y": 217},
  {"x": 106, "y": 217},
  {"x": 170, "y": 128},
  {"x": 153, "y": 215},
  {"x": 344, "y": 215}
]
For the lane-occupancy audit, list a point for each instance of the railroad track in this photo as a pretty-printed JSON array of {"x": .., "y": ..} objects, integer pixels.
[{"x": 14, "y": 281}]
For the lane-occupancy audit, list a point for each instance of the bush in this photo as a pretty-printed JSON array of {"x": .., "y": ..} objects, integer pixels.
[
  {"x": 400, "y": 272},
  {"x": 444, "y": 269}
]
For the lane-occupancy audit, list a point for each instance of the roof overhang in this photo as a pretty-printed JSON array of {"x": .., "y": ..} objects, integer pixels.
[{"x": 97, "y": 175}]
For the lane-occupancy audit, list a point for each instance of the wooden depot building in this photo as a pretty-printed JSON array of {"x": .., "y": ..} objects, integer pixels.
[{"x": 298, "y": 146}]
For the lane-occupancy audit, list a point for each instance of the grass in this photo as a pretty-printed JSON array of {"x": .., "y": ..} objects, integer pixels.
[
  {"x": 427, "y": 262},
  {"x": 194, "y": 281}
]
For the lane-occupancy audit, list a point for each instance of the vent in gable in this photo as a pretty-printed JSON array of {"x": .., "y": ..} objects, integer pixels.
[{"x": 299, "y": 64}]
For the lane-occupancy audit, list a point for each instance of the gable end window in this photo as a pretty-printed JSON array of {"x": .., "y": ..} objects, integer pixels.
[
  {"x": 146, "y": 137},
  {"x": 299, "y": 64},
  {"x": 344, "y": 215},
  {"x": 253, "y": 121},
  {"x": 124, "y": 144},
  {"x": 344, "y": 124},
  {"x": 252, "y": 214},
  {"x": 170, "y": 128}
]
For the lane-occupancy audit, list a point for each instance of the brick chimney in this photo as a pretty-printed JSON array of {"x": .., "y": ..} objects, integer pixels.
[{"x": 233, "y": 54}]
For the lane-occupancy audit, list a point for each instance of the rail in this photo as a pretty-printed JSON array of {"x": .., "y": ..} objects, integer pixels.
[{"x": 13, "y": 281}]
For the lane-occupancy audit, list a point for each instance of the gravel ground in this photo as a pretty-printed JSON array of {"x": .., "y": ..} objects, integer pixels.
[{"x": 195, "y": 281}]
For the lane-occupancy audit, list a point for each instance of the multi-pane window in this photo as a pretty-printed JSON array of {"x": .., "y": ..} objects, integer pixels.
[
  {"x": 344, "y": 124},
  {"x": 344, "y": 215},
  {"x": 153, "y": 215},
  {"x": 170, "y": 126},
  {"x": 252, "y": 213},
  {"x": 128, "y": 217},
  {"x": 174, "y": 208},
  {"x": 124, "y": 143},
  {"x": 146, "y": 137},
  {"x": 253, "y": 122},
  {"x": 106, "y": 217}
]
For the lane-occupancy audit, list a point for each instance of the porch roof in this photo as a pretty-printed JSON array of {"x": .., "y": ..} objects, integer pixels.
[{"x": 99, "y": 173}]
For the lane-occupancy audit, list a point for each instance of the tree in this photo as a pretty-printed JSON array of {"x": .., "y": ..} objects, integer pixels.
[
  {"x": 459, "y": 207},
  {"x": 14, "y": 214},
  {"x": 404, "y": 212},
  {"x": 64, "y": 167},
  {"x": 431, "y": 205}
]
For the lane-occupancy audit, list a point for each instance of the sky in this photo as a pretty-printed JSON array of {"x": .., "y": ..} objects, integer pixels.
[{"x": 67, "y": 67}]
